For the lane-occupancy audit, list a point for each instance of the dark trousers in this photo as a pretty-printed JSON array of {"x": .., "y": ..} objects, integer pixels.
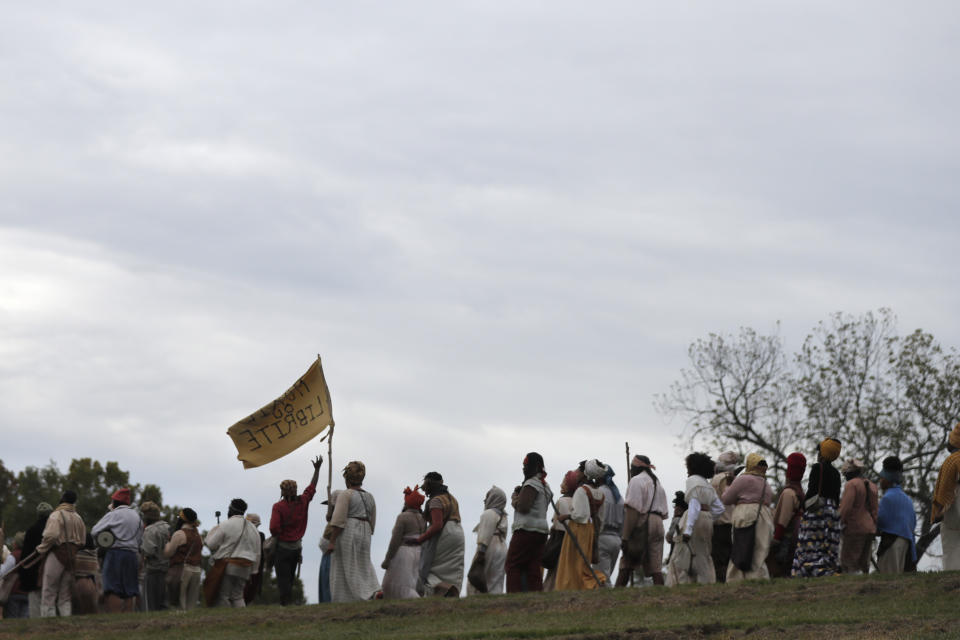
[
  {"x": 286, "y": 562},
  {"x": 17, "y": 606},
  {"x": 722, "y": 544},
  {"x": 155, "y": 586},
  {"x": 524, "y": 557}
]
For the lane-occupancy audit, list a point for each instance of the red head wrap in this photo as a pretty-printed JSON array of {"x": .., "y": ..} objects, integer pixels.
[
  {"x": 412, "y": 498},
  {"x": 796, "y": 465},
  {"x": 121, "y": 495},
  {"x": 571, "y": 480}
]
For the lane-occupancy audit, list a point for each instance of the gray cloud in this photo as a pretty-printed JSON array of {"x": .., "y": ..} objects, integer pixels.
[{"x": 501, "y": 227}]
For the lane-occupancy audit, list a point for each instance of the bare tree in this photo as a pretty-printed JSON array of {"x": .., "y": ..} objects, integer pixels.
[
  {"x": 737, "y": 393},
  {"x": 854, "y": 379}
]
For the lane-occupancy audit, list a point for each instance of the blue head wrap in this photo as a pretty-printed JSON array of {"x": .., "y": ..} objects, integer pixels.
[{"x": 608, "y": 479}]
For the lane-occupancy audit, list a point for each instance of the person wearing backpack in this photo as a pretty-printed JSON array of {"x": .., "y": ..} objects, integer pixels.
[{"x": 858, "y": 515}]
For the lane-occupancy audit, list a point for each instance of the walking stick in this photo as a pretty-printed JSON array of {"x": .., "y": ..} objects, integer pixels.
[
  {"x": 29, "y": 559},
  {"x": 576, "y": 543}
]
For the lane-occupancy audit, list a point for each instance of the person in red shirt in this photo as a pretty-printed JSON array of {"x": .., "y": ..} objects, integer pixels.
[{"x": 288, "y": 523}]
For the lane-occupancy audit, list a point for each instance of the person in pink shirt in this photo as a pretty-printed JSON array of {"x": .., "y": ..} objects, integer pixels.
[{"x": 858, "y": 516}]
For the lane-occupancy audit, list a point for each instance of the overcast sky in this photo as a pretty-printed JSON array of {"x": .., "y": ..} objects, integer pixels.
[{"x": 501, "y": 225}]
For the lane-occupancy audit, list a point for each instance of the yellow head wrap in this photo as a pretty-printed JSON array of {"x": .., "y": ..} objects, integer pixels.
[
  {"x": 830, "y": 449},
  {"x": 753, "y": 464}
]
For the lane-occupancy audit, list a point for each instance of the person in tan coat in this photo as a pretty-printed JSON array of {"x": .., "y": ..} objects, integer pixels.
[
  {"x": 63, "y": 535},
  {"x": 858, "y": 515}
]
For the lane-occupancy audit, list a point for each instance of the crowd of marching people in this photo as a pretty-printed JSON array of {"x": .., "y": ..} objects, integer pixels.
[{"x": 727, "y": 525}]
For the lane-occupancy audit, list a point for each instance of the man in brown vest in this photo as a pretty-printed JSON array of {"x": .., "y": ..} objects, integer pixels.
[{"x": 184, "y": 551}]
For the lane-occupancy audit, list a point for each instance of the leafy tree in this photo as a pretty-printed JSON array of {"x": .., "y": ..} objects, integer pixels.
[
  {"x": 95, "y": 485},
  {"x": 34, "y": 485},
  {"x": 93, "y": 482},
  {"x": 854, "y": 378},
  {"x": 8, "y": 487}
]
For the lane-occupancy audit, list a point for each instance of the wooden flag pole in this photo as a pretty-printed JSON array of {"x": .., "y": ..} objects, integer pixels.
[
  {"x": 626, "y": 445},
  {"x": 329, "y": 462}
]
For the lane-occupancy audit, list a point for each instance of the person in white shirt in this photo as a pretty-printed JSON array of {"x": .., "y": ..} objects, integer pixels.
[
  {"x": 691, "y": 561},
  {"x": 121, "y": 564},
  {"x": 235, "y": 543},
  {"x": 645, "y": 508}
]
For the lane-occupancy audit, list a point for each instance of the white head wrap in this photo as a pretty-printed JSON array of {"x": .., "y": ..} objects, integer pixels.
[
  {"x": 727, "y": 461},
  {"x": 595, "y": 470}
]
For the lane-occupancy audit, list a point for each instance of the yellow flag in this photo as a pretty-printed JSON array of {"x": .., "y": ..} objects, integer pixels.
[{"x": 299, "y": 415}]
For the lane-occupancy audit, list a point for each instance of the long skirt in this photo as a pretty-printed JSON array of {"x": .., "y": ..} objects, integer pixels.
[
  {"x": 400, "y": 579},
  {"x": 950, "y": 535},
  {"x": 818, "y": 543},
  {"x": 743, "y": 516},
  {"x": 691, "y": 561},
  {"x": 441, "y": 561},
  {"x": 573, "y": 570},
  {"x": 493, "y": 567},
  {"x": 352, "y": 576}
]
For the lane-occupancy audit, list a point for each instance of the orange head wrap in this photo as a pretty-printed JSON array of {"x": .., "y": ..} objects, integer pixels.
[{"x": 412, "y": 498}]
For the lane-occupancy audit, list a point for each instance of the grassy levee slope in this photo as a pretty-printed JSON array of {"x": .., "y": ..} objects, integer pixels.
[{"x": 919, "y": 605}]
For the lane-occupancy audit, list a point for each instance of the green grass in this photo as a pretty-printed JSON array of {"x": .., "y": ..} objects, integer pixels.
[{"x": 912, "y": 606}]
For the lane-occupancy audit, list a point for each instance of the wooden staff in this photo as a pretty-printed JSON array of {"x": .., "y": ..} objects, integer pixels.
[
  {"x": 26, "y": 563},
  {"x": 576, "y": 543},
  {"x": 626, "y": 446},
  {"x": 329, "y": 462}
]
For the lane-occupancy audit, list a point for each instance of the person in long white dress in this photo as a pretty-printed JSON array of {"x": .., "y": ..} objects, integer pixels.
[
  {"x": 402, "y": 563},
  {"x": 491, "y": 555},
  {"x": 354, "y": 519}
]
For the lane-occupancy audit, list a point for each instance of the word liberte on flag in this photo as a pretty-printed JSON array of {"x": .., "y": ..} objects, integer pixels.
[{"x": 290, "y": 421}]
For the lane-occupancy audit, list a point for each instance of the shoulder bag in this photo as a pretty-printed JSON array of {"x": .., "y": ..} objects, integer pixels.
[
  {"x": 744, "y": 539},
  {"x": 66, "y": 553},
  {"x": 637, "y": 543},
  {"x": 214, "y": 577}
]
